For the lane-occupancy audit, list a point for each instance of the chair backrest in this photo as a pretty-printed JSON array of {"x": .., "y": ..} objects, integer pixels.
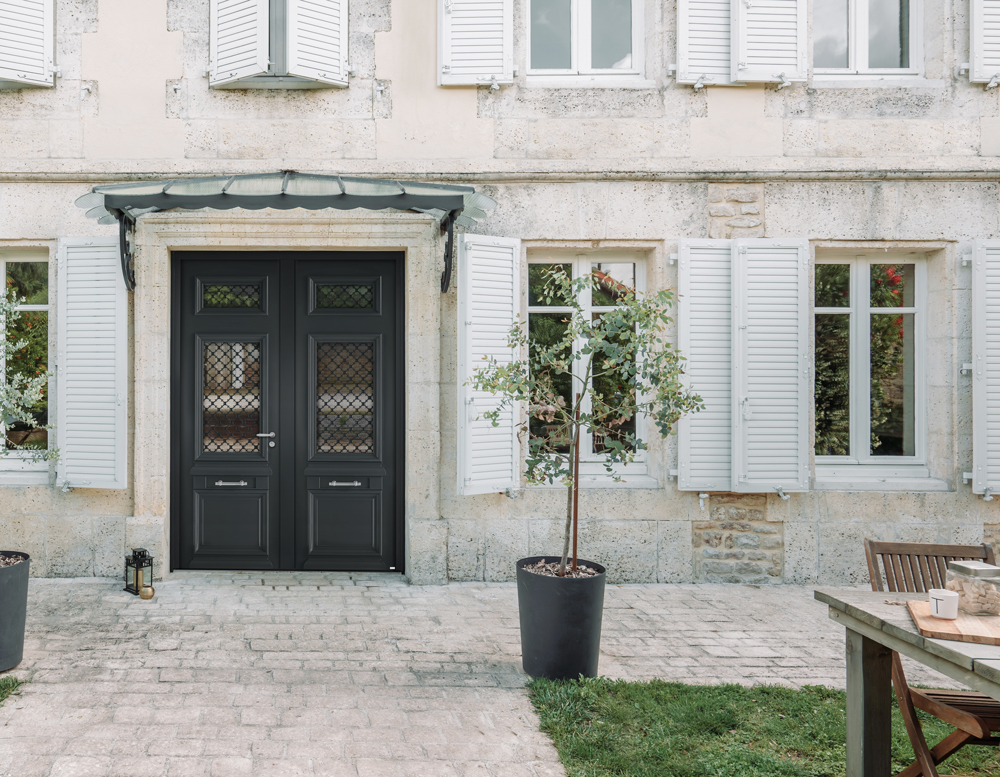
[{"x": 917, "y": 567}]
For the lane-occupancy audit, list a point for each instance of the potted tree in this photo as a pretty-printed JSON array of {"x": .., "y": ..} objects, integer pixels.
[
  {"x": 23, "y": 409},
  {"x": 581, "y": 373}
]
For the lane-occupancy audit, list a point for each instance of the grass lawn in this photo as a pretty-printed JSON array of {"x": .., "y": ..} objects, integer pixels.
[
  {"x": 657, "y": 729},
  {"x": 7, "y": 686}
]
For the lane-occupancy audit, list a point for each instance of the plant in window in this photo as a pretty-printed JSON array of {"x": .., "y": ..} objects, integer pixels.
[
  {"x": 24, "y": 389},
  {"x": 628, "y": 369}
]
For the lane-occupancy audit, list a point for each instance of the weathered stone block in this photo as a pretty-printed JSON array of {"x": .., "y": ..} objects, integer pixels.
[
  {"x": 749, "y": 568},
  {"x": 742, "y": 541},
  {"x": 744, "y": 221},
  {"x": 712, "y": 538},
  {"x": 742, "y": 194},
  {"x": 717, "y": 567},
  {"x": 750, "y": 210},
  {"x": 721, "y": 210}
]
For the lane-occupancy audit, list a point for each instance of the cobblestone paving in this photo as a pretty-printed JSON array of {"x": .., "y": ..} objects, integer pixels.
[{"x": 354, "y": 675}]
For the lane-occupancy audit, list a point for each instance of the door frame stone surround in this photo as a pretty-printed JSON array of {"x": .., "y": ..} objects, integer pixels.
[{"x": 416, "y": 235}]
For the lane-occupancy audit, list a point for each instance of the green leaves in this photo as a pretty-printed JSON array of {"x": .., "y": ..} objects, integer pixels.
[
  {"x": 23, "y": 389},
  {"x": 617, "y": 362}
]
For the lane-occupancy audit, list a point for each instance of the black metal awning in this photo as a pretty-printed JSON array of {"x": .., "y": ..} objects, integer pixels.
[{"x": 124, "y": 203}]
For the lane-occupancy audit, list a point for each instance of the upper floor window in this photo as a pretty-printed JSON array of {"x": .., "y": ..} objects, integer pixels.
[
  {"x": 592, "y": 37},
  {"x": 869, "y": 386},
  {"x": 278, "y": 43},
  {"x": 863, "y": 36}
]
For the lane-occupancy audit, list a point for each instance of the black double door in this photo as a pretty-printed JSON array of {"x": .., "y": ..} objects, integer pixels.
[{"x": 286, "y": 411}]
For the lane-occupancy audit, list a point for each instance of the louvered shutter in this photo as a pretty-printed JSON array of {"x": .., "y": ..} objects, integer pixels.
[
  {"x": 704, "y": 338},
  {"x": 238, "y": 39},
  {"x": 475, "y": 42},
  {"x": 985, "y": 45},
  {"x": 703, "y": 42},
  {"x": 986, "y": 367},
  {"x": 317, "y": 40},
  {"x": 26, "y": 39},
  {"x": 489, "y": 301},
  {"x": 771, "y": 365},
  {"x": 769, "y": 40},
  {"x": 91, "y": 365}
]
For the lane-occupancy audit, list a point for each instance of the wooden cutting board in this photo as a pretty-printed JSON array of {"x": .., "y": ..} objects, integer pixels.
[{"x": 983, "y": 629}]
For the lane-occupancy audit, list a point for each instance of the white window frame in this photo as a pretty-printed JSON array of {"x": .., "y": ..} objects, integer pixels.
[
  {"x": 591, "y": 465},
  {"x": 861, "y": 464},
  {"x": 580, "y": 54},
  {"x": 17, "y": 467},
  {"x": 857, "y": 46}
]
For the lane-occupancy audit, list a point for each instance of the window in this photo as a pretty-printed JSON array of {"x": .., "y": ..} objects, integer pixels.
[
  {"x": 27, "y": 274},
  {"x": 869, "y": 393},
  {"x": 280, "y": 44},
  {"x": 546, "y": 324},
  {"x": 575, "y": 37},
  {"x": 863, "y": 36}
]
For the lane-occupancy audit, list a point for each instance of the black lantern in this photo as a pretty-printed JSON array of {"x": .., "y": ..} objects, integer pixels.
[{"x": 139, "y": 572}]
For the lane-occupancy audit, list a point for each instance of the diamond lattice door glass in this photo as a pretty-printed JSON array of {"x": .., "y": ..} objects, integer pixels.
[
  {"x": 345, "y": 397},
  {"x": 231, "y": 397}
]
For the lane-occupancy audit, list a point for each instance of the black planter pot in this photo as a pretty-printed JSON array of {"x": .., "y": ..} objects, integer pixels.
[
  {"x": 560, "y": 621},
  {"x": 13, "y": 609}
]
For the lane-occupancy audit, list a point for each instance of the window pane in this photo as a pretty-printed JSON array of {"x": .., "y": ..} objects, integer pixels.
[
  {"x": 611, "y": 34},
  {"x": 833, "y": 385},
  {"x": 892, "y": 385},
  {"x": 550, "y": 33},
  {"x": 610, "y": 283},
  {"x": 538, "y": 274},
  {"x": 546, "y": 330},
  {"x": 833, "y": 285},
  {"x": 830, "y": 24},
  {"x": 892, "y": 285},
  {"x": 888, "y": 33},
  {"x": 29, "y": 362},
  {"x": 29, "y": 280},
  {"x": 610, "y": 388}
]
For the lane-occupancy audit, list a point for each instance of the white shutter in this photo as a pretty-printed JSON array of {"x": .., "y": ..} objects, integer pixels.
[
  {"x": 26, "y": 38},
  {"x": 771, "y": 365},
  {"x": 769, "y": 40},
  {"x": 238, "y": 39},
  {"x": 703, "y": 42},
  {"x": 985, "y": 45},
  {"x": 91, "y": 365},
  {"x": 986, "y": 367},
  {"x": 317, "y": 40},
  {"x": 489, "y": 301},
  {"x": 475, "y": 42},
  {"x": 704, "y": 338}
]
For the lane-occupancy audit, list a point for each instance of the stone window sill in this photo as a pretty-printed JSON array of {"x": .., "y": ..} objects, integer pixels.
[
  {"x": 606, "y": 481},
  {"x": 882, "y": 484}
]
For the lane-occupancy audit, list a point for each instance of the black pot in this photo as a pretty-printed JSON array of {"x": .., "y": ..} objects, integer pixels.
[
  {"x": 560, "y": 621},
  {"x": 13, "y": 609}
]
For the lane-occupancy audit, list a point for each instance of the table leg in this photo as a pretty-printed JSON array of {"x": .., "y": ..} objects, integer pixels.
[{"x": 869, "y": 707}]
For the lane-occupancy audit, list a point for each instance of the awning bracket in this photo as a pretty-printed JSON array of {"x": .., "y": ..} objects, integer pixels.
[{"x": 448, "y": 225}]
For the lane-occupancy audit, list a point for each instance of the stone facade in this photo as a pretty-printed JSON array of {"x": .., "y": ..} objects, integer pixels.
[
  {"x": 738, "y": 544},
  {"x": 900, "y": 165}
]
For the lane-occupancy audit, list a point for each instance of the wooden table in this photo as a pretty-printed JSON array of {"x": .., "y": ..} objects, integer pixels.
[{"x": 874, "y": 629}]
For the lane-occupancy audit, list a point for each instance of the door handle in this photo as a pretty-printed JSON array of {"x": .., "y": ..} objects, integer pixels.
[
  {"x": 224, "y": 483},
  {"x": 338, "y": 483},
  {"x": 269, "y": 434}
]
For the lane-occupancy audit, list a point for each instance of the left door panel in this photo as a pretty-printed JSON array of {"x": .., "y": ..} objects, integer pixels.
[{"x": 225, "y": 414}]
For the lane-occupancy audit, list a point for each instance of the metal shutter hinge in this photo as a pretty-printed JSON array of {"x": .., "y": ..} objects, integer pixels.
[{"x": 966, "y": 368}]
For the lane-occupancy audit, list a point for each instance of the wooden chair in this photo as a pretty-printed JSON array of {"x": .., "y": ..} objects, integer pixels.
[{"x": 917, "y": 567}]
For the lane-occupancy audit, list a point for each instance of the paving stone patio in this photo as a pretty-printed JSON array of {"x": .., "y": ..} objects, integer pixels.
[{"x": 355, "y": 675}]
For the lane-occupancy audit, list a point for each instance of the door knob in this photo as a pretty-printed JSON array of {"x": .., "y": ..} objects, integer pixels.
[{"x": 269, "y": 434}]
